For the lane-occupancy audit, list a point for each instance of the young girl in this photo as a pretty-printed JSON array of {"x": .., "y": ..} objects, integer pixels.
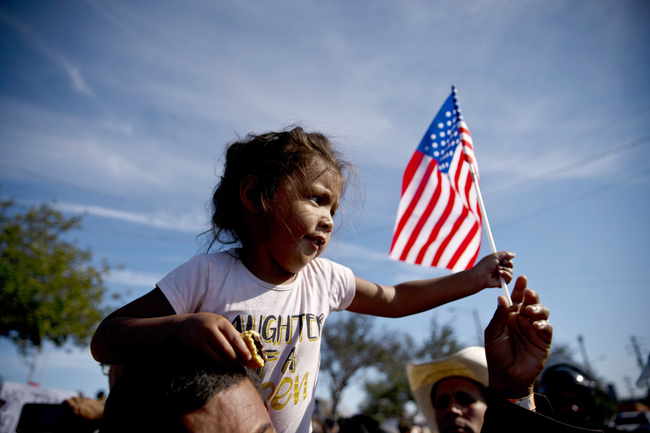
[{"x": 275, "y": 201}]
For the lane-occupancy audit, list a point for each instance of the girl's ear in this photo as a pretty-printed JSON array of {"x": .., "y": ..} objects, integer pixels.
[{"x": 248, "y": 193}]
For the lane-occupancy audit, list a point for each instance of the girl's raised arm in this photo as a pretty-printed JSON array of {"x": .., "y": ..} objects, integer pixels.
[
  {"x": 417, "y": 296},
  {"x": 147, "y": 327}
]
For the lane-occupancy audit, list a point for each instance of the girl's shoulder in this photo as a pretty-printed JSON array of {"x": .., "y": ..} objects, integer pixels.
[
  {"x": 207, "y": 261},
  {"x": 322, "y": 261},
  {"x": 323, "y": 266},
  {"x": 220, "y": 256}
]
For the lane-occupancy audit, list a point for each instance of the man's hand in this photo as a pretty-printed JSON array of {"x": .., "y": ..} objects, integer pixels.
[{"x": 517, "y": 342}]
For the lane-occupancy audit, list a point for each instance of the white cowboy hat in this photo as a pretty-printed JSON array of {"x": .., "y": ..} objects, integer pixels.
[{"x": 469, "y": 363}]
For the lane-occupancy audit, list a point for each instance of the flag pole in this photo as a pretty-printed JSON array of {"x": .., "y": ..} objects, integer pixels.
[
  {"x": 487, "y": 228},
  {"x": 481, "y": 206}
]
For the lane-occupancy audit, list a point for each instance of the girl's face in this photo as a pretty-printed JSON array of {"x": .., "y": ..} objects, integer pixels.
[{"x": 300, "y": 232}]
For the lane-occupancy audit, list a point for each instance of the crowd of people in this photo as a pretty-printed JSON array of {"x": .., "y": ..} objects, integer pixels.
[
  {"x": 184, "y": 365},
  {"x": 475, "y": 390}
]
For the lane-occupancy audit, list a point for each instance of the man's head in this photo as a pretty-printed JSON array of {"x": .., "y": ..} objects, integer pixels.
[
  {"x": 234, "y": 409},
  {"x": 571, "y": 392},
  {"x": 450, "y": 391},
  {"x": 459, "y": 404},
  {"x": 187, "y": 394}
]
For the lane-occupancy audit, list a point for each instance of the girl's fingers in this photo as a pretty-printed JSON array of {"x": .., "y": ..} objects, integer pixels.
[
  {"x": 237, "y": 343},
  {"x": 225, "y": 340},
  {"x": 209, "y": 351},
  {"x": 506, "y": 274},
  {"x": 222, "y": 346},
  {"x": 216, "y": 337}
]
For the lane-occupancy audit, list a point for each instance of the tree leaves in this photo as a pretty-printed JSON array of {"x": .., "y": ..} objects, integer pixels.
[
  {"x": 351, "y": 346},
  {"x": 48, "y": 289},
  {"x": 387, "y": 397}
]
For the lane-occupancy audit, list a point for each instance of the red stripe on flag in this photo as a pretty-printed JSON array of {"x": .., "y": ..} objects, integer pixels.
[
  {"x": 439, "y": 224},
  {"x": 423, "y": 219},
  {"x": 411, "y": 168},
  {"x": 468, "y": 188},
  {"x": 463, "y": 246},
  {"x": 416, "y": 198},
  {"x": 445, "y": 243}
]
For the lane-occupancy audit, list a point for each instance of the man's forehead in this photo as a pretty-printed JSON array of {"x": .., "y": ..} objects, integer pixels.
[
  {"x": 451, "y": 384},
  {"x": 236, "y": 409}
]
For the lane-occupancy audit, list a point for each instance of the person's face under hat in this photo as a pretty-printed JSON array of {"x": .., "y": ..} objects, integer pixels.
[{"x": 459, "y": 405}]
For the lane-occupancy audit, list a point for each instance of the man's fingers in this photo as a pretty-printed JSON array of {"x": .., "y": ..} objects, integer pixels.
[
  {"x": 517, "y": 294},
  {"x": 538, "y": 333},
  {"x": 531, "y": 297},
  {"x": 535, "y": 312},
  {"x": 499, "y": 320},
  {"x": 544, "y": 330}
]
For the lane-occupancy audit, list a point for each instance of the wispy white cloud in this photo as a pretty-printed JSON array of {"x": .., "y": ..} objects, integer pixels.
[
  {"x": 104, "y": 154},
  {"x": 78, "y": 81},
  {"x": 50, "y": 51},
  {"x": 368, "y": 263},
  {"x": 134, "y": 278},
  {"x": 190, "y": 223}
]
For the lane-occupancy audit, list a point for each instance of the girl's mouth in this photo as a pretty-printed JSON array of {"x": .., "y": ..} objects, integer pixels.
[{"x": 317, "y": 242}]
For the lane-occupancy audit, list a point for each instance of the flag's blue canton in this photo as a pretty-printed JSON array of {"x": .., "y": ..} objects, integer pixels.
[{"x": 441, "y": 139}]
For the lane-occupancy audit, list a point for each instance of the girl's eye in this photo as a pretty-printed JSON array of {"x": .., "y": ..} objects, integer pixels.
[{"x": 316, "y": 199}]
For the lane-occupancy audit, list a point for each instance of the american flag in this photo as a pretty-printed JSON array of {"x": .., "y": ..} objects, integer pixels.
[{"x": 439, "y": 219}]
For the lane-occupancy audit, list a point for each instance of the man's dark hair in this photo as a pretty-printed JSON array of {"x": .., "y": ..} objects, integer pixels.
[{"x": 155, "y": 397}]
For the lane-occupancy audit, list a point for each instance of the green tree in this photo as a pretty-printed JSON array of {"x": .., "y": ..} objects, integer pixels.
[
  {"x": 441, "y": 342},
  {"x": 387, "y": 397},
  {"x": 560, "y": 350},
  {"x": 48, "y": 289},
  {"x": 349, "y": 347}
]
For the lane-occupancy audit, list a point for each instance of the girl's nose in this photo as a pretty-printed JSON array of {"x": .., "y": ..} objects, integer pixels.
[{"x": 327, "y": 222}]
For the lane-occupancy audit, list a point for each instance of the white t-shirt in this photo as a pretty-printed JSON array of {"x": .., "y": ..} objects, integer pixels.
[{"x": 288, "y": 317}]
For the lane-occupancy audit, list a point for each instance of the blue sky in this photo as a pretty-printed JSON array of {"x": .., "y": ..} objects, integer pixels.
[{"x": 122, "y": 109}]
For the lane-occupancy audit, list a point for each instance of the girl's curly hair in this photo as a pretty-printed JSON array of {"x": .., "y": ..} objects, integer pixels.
[{"x": 280, "y": 161}]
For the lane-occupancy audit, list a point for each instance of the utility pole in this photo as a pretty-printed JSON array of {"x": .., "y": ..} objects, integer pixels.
[
  {"x": 581, "y": 342},
  {"x": 630, "y": 388},
  {"x": 637, "y": 351},
  {"x": 477, "y": 323},
  {"x": 639, "y": 359},
  {"x": 32, "y": 365},
  {"x": 479, "y": 329}
]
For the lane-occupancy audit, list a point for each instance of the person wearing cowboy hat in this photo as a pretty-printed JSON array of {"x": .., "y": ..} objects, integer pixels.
[
  {"x": 451, "y": 392},
  {"x": 491, "y": 390}
]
